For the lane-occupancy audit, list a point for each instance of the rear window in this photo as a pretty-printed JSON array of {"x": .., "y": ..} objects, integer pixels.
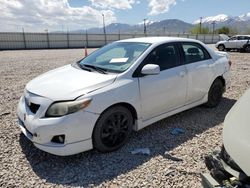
[{"x": 194, "y": 52}]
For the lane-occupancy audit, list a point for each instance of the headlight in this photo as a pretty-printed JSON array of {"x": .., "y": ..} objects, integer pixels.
[{"x": 63, "y": 108}]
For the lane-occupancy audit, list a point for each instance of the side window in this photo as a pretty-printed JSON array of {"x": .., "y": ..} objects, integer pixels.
[
  {"x": 242, "y": 38},
  {"x": 246, "y": 38},
  {"x": 166, "y": 56},
  {"x": 233, "y": 38},
  {"x": 194, "y": 52}
]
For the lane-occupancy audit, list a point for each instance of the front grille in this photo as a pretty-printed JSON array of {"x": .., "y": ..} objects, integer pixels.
[{"x": 32, "y": 106}]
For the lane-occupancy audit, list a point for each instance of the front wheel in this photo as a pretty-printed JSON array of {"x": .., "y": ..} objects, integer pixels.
[
  {"x": 221, "y": 47},
  {"x": 215, "y": 94},
  {"x": 112, "y": 129}
]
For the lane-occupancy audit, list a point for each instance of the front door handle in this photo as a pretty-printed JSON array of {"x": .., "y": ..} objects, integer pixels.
[{"x": 182, "y": 74}]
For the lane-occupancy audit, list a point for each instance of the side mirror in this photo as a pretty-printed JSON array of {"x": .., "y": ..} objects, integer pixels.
[{"x": 150, "y": 69}]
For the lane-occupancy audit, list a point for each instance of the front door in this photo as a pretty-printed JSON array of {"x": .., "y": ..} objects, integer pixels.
[
  {"x": 166, "y": 91},
  {"x": 231, "y": 43}
]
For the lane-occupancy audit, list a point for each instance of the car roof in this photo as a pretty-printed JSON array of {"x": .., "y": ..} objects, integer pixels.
[
  {"x": 241, "y": 36},
  {"x": 158, "y": 40}
]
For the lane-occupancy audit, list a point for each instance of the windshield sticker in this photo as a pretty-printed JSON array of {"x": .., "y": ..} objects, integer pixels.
[{"x": 119, "y": 60}]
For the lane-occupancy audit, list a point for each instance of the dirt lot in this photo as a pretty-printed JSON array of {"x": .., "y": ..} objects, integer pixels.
[{"x": 22, "y": 165}]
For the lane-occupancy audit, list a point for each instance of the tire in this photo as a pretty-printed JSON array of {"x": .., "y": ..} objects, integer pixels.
[
  {"x": 221, "y": 47},
  {"x": 112, "y": 129},
  {"x": 215, "y": 94},
  {"x": 247, "y": 48}
]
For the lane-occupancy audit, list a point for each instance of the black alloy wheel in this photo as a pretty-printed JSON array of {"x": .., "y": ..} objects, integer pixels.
[
  {"x": 221, "y": 47},
  {"x": 112, "y": 129},
  {"x": 247, "y": 49}
]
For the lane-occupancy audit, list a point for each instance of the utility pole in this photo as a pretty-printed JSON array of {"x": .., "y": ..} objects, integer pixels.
[
  {"x": 145, "y": 27},
  {"x": 164, "y": 30},
  {"x": 68, "y": 37},
  {"x": 104, "y": 28},
  {"x": 24, "y": 39},
  {"x": 87, "y": 40},
  {"x": 47, "y": 34},
  {"x": 213, "y": 31},
  {"x": 119, "y": 34},
  {"x": 200, "y": 24},
  {"x": 213, "y": 26}
]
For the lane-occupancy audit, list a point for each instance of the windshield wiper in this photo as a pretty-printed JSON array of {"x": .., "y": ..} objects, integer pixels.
[
  {"x": 83, "y": 66},
  {"x": 98, "y": 69}
]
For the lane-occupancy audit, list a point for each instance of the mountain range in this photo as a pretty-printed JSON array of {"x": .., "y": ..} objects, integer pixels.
[{"x": 240, "y": 24}]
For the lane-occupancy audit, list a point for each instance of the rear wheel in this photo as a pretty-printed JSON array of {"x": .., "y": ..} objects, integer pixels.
[
  {"x": 247, "y": 48},
  {"x": 221, "y": 47},
  {"x": 112, "y": 129},
  {"x": 215, "y": 93}
]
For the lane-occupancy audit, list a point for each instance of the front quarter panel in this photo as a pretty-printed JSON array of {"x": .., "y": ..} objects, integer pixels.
[{"x": 121, "y": 91}]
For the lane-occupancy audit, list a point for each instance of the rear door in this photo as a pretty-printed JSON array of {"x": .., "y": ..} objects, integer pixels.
[
  {"x": 198, "y": 62},
  {"x": 242, "y": 40}
]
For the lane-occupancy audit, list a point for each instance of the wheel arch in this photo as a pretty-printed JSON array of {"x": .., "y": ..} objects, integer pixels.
[
  {"x": 130, "y": 107},
  {"x": 222, "y": 45},
  {"x": 223, "y": 81}
]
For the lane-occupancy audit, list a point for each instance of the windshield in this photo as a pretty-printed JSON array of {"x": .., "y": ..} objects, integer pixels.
[
  {"x": 224, "y": 37},
  {"x": 115, "y": 57}
]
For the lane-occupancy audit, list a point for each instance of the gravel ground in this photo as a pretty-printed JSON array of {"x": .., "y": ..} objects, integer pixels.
[{"x": 174, "y": 161}]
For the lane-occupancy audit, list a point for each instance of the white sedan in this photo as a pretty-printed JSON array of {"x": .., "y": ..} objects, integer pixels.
[{"x": 124, "y": 86}]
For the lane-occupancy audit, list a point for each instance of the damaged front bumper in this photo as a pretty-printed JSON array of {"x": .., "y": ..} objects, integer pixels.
[{"x": 224, "y": 172}]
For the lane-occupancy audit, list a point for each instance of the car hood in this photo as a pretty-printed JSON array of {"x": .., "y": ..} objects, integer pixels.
[
  {"x": 68, "y": 83},
  {"x": 224, "y": 37}
]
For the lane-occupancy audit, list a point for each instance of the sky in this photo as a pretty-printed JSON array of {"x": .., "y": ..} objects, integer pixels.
[{"x": 63, "y": 15}]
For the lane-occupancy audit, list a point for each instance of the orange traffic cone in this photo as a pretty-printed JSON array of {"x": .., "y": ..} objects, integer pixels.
[{"x": 85, "y": 51}]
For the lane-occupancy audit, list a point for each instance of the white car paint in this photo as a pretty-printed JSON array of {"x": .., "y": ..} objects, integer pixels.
[
  {"x": 81, "y": 82},
  {"x": 154, "y": 97},
  {"x": 236, "y": 132}
]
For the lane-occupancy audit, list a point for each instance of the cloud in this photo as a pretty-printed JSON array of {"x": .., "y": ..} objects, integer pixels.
[
  {"x": 50, "y": 14},
  {"x": 116, "y": 4},
  {"x": 160, "y": 6}
]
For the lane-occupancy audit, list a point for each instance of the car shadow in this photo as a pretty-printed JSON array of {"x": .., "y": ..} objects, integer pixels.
[{"x": 93, "y": 168}]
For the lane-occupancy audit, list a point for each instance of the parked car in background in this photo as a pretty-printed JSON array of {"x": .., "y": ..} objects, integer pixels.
[
  {"x": 124, "y": 86},
  {"x": 237, "y": 42}
]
